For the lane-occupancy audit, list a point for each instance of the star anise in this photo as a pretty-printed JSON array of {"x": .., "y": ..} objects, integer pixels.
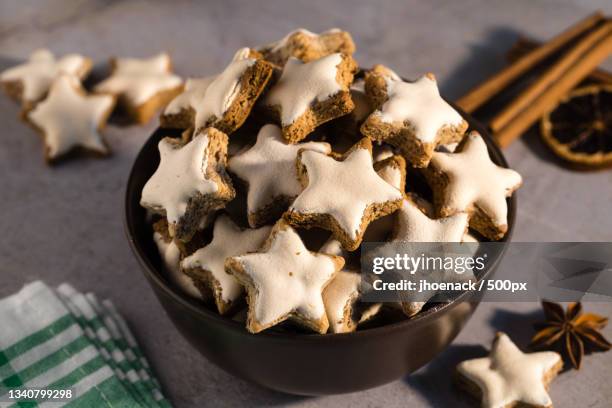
[{"x": 571, "y": 332}]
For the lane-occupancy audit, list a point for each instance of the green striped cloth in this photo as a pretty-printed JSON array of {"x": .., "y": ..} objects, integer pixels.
[{"x": 59, "y": 338}]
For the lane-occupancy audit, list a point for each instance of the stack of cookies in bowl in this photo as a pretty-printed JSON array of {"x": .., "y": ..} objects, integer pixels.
[{"x": 293, "y": 157}]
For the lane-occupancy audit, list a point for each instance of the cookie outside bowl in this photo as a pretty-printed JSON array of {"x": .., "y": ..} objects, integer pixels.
[{"x": 297, "y": 363}]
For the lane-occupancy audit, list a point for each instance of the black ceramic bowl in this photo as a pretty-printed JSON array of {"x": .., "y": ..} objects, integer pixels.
[{"x": 298, "y": 363}]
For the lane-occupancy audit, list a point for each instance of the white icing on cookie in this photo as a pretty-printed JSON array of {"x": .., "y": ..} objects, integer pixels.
[
  {"x": 171, "y": 255},
  {"x": 222, "y": 91},
  {"x": 195, "y": 88},
  {"x": 342, "y": 189},
  {"x": 139, "y": 80},
  {"x": 180, "y": 175},
  {"x": 70, "y": 118},
  {"x": 475, "y": 180},
  {"x": 242, "y": 54},
  {"x": 415, "y": 226},
  {"x": 269, "y": 167},
  {"x": 339, "y": 294},
  {"x": 225, "y": 88},
  {"x": 448, "y": 148},
  {"x": 333, "y": 247},
  {"x": 420, "y": 104},
  {"x": 42, "y": 68},
  {"x": 228, "y": 240},
  {"x": 302, "y": 84},
  {"x": 508, "y": 375},
  {"x": 288, "y": 279}
]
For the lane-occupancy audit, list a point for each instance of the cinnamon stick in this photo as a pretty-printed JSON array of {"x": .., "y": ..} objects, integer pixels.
[
  {"x": 482, "y": 93},
  {"x": 551, "y": 75},
  {"x": 524, "y": 45},
  {"x": 551, "y": 97}
]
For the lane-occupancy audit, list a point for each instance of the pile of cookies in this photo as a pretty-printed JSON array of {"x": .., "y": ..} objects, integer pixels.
[
  {"x": 69, "y": 117},
  {"x": 290, "y": 159}
]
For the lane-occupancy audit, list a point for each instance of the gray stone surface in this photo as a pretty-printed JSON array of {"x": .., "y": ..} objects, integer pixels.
[{"x": 65, "y": 223}]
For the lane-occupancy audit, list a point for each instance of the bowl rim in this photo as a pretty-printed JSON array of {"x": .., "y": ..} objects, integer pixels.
[{"x": 154, "y": 275}]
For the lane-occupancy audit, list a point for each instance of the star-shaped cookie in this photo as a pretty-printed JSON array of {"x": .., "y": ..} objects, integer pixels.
[
  {"x": 308, "y": 46},
  {"x": 69, "y": 119},
  {"x": 206, "y": 265},
  {"x": 309, "y": 94},
  {"x": 285, "y": 281},
  {"x": 225, "y": 102},
  {"x": 508, "y": 377},
  {"x": 468, "y": 181},
  {"x": 270, "y": 171},
  {"x": 411, "y": 116},
  {"x": 342, "y": 196},
  {"x": 141, "y": 85},
  {"x": 29, "y": 83},
  {"x": 180, "y": 112},
  {"x": 413, "y": 223},
  {"x": 190, "y": 181}
]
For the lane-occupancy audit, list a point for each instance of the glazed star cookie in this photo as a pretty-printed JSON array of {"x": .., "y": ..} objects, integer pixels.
[
  {"x": 510, "y": 378},
  {"x": 342, "y": 196},
  {"x": 269, "y": 169},
  {"x": 285, "y": 281},
  {"x": 69, "y": 119},
  {"x": 171, "y": 255},
  {"x": 180, "y": 112},
  {"x": 414, "y": 224},
  {"x": 468, "y": 181},
  {"x": 309, "y": 94},
  {"x": 223, "y": 102},
  {"x": 141, "y": 85},
  {"x": 206, "y": 265},
  {"x": 308, "y": 46},
  {"x": 411, "y": 116},
  {"x": 190, "y": 181},
  {"x": 29, "y": 83}
]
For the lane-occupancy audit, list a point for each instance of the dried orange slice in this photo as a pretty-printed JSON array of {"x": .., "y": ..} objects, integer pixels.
[{"x": 579, "y": 129}]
